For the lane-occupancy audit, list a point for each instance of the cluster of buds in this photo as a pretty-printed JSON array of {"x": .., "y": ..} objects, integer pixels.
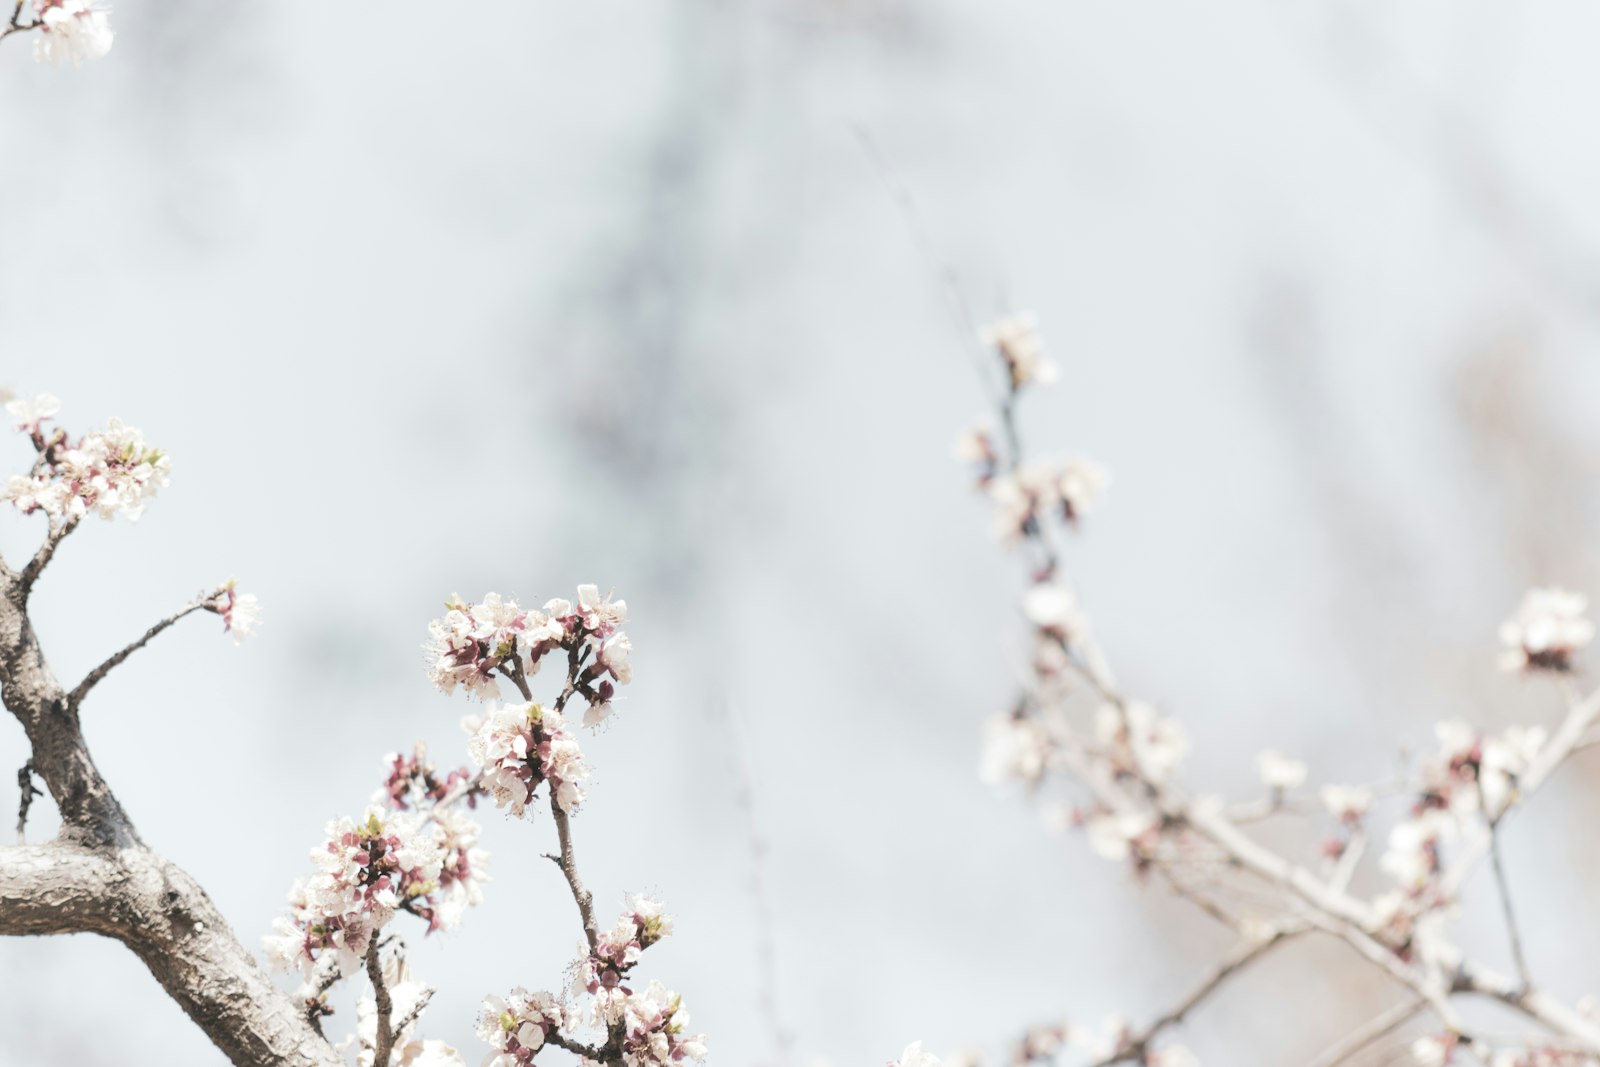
[
  {"x": 1547, "y": 628},
  {"x": 472, "y": 642},
  {"x": 414, "y": 779},
  {"x": 241, "y": 612},
  {"x": 109, "y": 472},
  {"x": 517, "y": 1026},
  {"x": 519, "y": 746},
  {"x": 70, "y": 31},
  {"x": 366, "y": 872},
  {"x": 654, "y": 1030},
  {"x": 616, "y": 952}
]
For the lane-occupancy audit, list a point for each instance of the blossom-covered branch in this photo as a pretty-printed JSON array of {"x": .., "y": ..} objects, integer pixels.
[{"x": 1073, "y": 729}]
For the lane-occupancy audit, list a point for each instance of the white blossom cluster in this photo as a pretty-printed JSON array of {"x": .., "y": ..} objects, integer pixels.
[
  {"x": 655, "y": 1027},
  {"x": 108, "y": 472},
  {"x": 472, "y": 642},
  {"x": 521, "y": 745},
  {"x": 71, "y": 31},
  {"x": 366, "y": 872},
  {"x": 517, "y": 1026},
  {"x": 603, "y": 973}
]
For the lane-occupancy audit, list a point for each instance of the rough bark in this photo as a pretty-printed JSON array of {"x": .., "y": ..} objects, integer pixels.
[{"x": 98, "y": 877}]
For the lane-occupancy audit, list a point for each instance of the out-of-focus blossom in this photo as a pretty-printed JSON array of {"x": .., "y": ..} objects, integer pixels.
[
  {"x": 1347, "y": 803},
  {"x": 1280, "y": 772},
  {"x": 72, "y": 31},
  {"x": 915, "y": 1056},
  {"x": 1140, "y": 741},
  {"x": 1016, "y": 340},
  {"x": 1014, "y": 748},
  {"x": 1547, "y": 628},
  {"x": 30, "y": 411}
]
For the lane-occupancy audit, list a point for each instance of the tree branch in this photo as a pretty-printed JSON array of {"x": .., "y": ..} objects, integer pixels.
[
  {"x": 383, "y": 1040},
  {"x": 93, "y": 678},
  {"x": 58, "y": 533},
  {"x": 160, "y": 913}
]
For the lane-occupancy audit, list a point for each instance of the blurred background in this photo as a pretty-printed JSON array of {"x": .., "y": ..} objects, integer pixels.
[{"x": 650, "y": 295}]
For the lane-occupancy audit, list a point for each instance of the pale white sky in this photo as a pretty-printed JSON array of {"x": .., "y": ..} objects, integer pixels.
[{"x": 613, "y": 293}]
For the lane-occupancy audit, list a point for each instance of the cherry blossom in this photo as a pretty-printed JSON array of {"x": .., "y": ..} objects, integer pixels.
[
  {"x": 71, "y": 31},
  {"x": 521, "y": 745},
  {"x": 1140, "y": 741},
  {"x": 1280, "y": 772},
  {"x": 617, "y": 951},
  {"x": 654, "y": 1024},
  {"x": 517, "y": 1026},
  {"x": 30, "y": 412},
  {"x": 1546, "y": 629},
  {"x": 365, "y": 872},
  {"x": 914, "y": 1056},
  {"x": 110, "y": 472},
  {"x": 1348, "y": 804},
  {"x": 1016, "y": 340},
  {"x": 241, "y": 612}
]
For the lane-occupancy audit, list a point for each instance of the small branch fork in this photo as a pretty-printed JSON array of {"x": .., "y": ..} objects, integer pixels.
[
  {"x": 567, "y": 860},
  {"x": 16, "y": 25},
  {"x": 99, "y": 877},
  {"x": 1325, "y": 905}
]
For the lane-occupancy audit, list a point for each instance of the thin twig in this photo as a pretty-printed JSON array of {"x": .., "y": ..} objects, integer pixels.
[
  {"x": 93, "y": 678},
  {"x": 1378, "y": 1027},
  {"x": 1135, "y": 1046},
  {"x": 569, "y": 867},
  {"x": 1503, "y": 885}
]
